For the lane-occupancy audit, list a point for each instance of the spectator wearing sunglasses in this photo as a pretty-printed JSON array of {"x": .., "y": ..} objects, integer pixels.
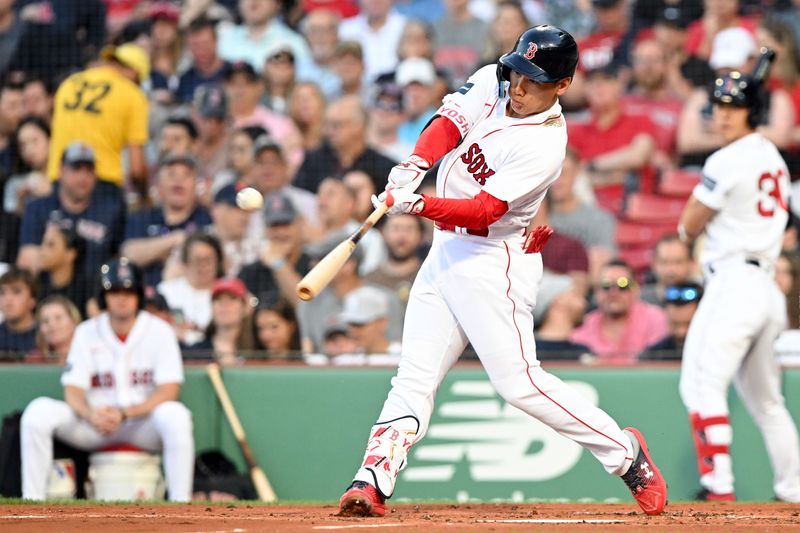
[
  {"x": 673, "y": 266},
  {"x": 680, "y": 303},
  {"x": 622, "y": 325}
]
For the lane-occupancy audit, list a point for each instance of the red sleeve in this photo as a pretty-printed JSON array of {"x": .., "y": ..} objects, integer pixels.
[
  {"x": 472, "y": 213},
  {"x": 437, "y": 139}
]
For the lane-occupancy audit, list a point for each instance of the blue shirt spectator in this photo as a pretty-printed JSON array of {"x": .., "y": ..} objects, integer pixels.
[
  {"x": 207, "y": 66},
  {"x": 18, "y": 294},
  {"x": 153, "y": 236},
  {"x": 79, "y": 202}
]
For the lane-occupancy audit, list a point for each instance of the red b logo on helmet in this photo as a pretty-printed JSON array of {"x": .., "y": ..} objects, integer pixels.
[{"x": 531, "y": 51}]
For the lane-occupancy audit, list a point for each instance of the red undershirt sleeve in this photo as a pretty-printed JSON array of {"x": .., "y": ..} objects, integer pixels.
[
  {"x": 437, "y": 139},
  {"x": 472, "y": 213}
]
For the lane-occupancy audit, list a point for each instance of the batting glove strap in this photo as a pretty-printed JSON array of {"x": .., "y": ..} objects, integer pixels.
[
  {"x": 536, "y": 239},
  {"x": 408, "y": 174},
  {"x": 400, "y": 201}
]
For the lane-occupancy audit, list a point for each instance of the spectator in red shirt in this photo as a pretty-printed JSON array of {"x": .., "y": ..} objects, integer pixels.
[
  {"x": 652, "y": 95},
  {"x": 612, "y": 143},
  {"x": 718, "y": 15},
  {"x": 622, "y": 325},
  {"x": 600, "y": 47}
]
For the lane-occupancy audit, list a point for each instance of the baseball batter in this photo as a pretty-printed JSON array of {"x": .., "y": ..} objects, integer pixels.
[
  {"x": 741, "y": 205},
  {"x": 121, "y": 385},
  {"x": 503, "y": 139}
]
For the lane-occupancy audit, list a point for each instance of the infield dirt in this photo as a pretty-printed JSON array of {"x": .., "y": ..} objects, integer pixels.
[{"x": 247, "y": 518}]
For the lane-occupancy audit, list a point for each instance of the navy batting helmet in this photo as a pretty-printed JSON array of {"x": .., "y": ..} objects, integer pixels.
[
  {"x": 120, "y": 274},
  {"x": 739, "y": 90},
  {"x": 543, "y": 53}
]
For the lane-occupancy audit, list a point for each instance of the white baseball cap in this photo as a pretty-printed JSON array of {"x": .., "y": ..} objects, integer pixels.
[
  {"x": 731, "y": 48},
  {"x": 365, "y": 305},
  {"x": 415, "y": 69}
]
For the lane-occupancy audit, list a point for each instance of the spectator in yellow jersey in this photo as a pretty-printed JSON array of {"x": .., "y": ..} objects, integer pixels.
[{"x": 104, "y": 107}]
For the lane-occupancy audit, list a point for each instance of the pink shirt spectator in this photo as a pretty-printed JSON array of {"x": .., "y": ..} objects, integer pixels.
[
  {"x": 646, "y": 325},
  {"x": 279, "y": 127}
]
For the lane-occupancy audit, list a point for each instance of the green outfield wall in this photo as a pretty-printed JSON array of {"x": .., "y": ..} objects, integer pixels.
[{"x": 308, "y": 428}]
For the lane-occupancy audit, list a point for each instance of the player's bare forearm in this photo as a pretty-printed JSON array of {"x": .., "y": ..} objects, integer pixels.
[
  {"x": 167, "y": 392},
  {"x": 76, "y": 399},
  {"x": 694, "y": 218}
]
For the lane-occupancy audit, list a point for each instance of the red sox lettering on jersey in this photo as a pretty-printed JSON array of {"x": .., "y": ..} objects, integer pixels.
[{"x": 476, "y": 164}]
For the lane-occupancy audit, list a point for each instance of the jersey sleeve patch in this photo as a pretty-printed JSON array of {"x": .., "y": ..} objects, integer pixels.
[
  {"x": 708, "y": 182},
  {"x": 466, "y": 87}
]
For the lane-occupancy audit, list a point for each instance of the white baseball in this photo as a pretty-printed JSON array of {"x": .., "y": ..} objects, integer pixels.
[{"x": 249, "y": 199}]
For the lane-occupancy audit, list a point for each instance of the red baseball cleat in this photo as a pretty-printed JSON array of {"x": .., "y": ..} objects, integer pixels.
[
  {"x": 361, "y": 499},
  {"x": 644, "y": 479},
  {"x": 708, "y": 496}
]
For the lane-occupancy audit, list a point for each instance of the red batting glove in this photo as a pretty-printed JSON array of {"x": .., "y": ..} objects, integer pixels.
[{"x": 536, "y": 239}]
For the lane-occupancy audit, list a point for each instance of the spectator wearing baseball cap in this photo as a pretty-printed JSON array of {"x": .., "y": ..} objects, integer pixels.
[
  {"x": 245, "y": 90},
  {"x": 210, "y": 112},
  {"x": 313, "y": 314},
  {"x": 366, "y": 312},
  {"x": 336, "y": 341},
  {"x": 279, "y": 72},
  {"x": 155, "y": 235},
  {"x": 229, "y": 336},
  {"x": 271, "y": 175},
  {"x": 282, "y": 261},
  {"x": 230, "y": 225},
  {"x": 206, "y": 67},
  {"x": 417, "y": 78},
  {"x": 96, "y": 213}
]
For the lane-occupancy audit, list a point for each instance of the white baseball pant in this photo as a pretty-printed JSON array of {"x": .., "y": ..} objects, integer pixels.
[
  {"x": 167, "y": 429},
  {"x": 483, "y": 291},
  {"x": 731, "y": 339}
]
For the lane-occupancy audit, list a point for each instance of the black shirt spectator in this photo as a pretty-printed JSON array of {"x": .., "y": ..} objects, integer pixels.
[
  {"x": 61, "y": 261},
  {"x": 344, "y": 149},
  {"x": 59, "y": 35}
]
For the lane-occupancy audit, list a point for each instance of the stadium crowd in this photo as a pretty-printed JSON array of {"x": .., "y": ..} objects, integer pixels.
[{"x": 128, "y": 127}]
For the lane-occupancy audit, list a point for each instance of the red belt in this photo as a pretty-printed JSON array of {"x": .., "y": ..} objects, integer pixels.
[{"x": 483, "y": 232}]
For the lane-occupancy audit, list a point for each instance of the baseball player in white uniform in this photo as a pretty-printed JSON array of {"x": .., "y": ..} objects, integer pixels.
[
  {"x": 503, "y": 139},
  {"x": 121, "y": 385},
  {"x": 741, "y": 205}
]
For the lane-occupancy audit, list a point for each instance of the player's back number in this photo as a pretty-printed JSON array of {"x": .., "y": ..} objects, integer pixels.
[{"x": 88, "y": 96}]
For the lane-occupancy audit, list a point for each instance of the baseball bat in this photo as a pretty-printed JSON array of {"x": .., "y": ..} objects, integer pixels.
[
  {"x": 761, "y": 69},
  {"x": 257, "y": 475},
  {"x": 324, "y": 271}
]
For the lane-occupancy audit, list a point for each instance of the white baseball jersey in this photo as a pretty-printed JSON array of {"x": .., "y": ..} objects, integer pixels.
[
  {"x": 482, "y": 289},
  {"x": 731, "y": 336},
  {"x": 491, "y": 140},
  {"x": 118, "y": 373},
  {"x": 747, "y": 182}
]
